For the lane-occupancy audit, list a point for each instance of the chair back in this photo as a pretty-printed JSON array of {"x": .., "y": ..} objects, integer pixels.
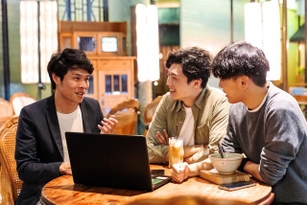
[
  {"x": 6, "y": 111},
  {"x": 149, "y": 112},
  {"x": 5, "y": 108},
  {"x": 126, "y": 113},
  {"x": 150, "y": 109},
  {"x": 18, "y": 100},
  {"x": 10, "y": 182}
]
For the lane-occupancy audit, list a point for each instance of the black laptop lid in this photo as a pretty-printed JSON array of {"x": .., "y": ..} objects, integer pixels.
[{"x": 109, "y": 160}]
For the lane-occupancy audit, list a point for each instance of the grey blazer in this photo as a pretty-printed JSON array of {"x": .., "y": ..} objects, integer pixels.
[{"x": 39, "y": 150}]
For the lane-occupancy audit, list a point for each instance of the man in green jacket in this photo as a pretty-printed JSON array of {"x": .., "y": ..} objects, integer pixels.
[{"x": 191, "y": 110}]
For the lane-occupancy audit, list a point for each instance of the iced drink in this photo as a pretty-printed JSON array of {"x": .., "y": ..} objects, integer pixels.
[{"x": 175, "y": 151}]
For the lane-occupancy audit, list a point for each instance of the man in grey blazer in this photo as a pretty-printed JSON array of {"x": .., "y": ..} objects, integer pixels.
[{"x": 41, "y": 152}]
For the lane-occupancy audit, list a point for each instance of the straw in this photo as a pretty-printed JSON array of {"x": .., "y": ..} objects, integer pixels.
[{"x": 221, "y": 151}]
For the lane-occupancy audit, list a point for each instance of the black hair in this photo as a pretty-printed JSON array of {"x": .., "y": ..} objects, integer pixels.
[
  {"x": 195, "y": 63},
  {"x": 241, "y": 58},
  {"x": 68, "y": 59}
]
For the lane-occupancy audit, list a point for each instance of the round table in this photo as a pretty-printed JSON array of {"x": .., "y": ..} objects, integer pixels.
[{"x": 62, "y": 190}]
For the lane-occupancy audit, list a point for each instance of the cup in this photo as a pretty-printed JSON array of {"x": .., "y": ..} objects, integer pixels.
[{"x": 175, "y": 151}]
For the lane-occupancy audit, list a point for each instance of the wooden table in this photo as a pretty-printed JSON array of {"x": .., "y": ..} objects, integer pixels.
[{"x": 62, "y": 190}]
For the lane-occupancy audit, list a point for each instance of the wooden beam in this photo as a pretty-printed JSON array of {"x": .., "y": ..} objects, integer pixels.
[{"x": 72, "y": 26}]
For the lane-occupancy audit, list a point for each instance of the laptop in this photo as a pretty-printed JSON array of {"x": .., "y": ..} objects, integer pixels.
[{"x": 112, "y": 160}]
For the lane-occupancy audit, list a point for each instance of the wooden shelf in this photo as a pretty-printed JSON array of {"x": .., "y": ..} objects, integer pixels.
[{"x": 301, "y": 98}]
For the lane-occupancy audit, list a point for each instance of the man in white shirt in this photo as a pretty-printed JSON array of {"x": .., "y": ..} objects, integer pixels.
[{"x": 41, "y": 152}]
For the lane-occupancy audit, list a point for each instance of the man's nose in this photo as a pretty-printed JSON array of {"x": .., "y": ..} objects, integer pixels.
[
  {"x": 84, "y": 84},
  {"x": 167, "y": 81}
]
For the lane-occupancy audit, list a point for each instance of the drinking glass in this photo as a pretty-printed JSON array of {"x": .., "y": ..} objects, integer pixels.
[{"x": 175, "y": 151}]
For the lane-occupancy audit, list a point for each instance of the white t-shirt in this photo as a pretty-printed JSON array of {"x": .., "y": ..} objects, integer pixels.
[
  {"x": 187, "y": 130},
  {"x": 71, "y": 122}
]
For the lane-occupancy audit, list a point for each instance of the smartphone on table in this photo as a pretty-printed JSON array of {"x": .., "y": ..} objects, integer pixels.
[{"x": 237, "y": 185}]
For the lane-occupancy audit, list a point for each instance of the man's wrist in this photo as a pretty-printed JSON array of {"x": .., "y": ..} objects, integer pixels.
[
  {"x": 194, "y": 169},
  {"x": 202, "y": 153},
  {"x": 243, "y": 162}
]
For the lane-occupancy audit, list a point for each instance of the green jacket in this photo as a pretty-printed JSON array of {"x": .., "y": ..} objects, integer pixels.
[{"x": 211, "y": 118}]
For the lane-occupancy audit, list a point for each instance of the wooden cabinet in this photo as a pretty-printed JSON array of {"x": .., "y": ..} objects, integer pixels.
[
  {"x": 113, "y": 80},
  {"x": 95, "y": 43},
  {"x": 105, "y": 45}
]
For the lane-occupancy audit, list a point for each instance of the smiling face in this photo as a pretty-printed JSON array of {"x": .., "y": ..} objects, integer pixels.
[
  {"x": 70, "y": 91},
  {"x": 179, "y": 88}
]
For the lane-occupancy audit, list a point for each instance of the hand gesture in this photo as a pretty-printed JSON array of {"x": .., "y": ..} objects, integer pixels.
[{"x": 107, "y": 125}]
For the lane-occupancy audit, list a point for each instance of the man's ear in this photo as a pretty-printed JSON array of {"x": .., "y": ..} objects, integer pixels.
[
  {"x": 244, "y": 81},
  {"x": 197, "y": 83},
  {"x": 56, "y": 78}
]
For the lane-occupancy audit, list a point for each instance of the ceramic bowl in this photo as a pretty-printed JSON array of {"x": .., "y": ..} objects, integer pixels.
[{"x": 228, "y": 164}]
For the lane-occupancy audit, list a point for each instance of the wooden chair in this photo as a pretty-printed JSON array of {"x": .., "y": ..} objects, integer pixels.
[
  {"x": 149, "y": 112},
  {"x": 19, "y": 100},
  {"x": 6, "y": 111},
  {"x": 126, "y": 113},
  {"x": 10, "y": 182}
]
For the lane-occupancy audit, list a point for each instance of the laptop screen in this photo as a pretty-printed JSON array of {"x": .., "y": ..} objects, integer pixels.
[{"x": 109, "y": 160}]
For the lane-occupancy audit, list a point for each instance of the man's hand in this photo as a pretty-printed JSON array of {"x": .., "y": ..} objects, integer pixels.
[
  {"x": 65, "y": 168},
  {"x": 108, "y": 125},
  {"x": 180, "y": 172},
  {"x": 162, "y": 139},
  {"x": 189, "y": 152}
]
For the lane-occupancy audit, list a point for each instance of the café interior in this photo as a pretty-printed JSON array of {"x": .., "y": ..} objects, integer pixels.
[{"x": 127, "y": 41}]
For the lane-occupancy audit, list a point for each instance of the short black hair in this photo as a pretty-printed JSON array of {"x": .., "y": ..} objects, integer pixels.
[
  {"x": 195, "y": 63},
  {"x": 241, "y": 58},
  {"x": 68, "y": 59}
]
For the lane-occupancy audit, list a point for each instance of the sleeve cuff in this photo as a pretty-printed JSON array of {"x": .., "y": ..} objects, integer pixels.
[{"x": 243, "y": 162}]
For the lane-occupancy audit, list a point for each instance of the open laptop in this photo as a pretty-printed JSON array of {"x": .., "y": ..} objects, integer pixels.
[{"x": 112, "y": 160}]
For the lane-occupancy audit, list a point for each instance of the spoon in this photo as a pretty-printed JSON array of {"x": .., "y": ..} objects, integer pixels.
[{"x": 221, "y": 150}]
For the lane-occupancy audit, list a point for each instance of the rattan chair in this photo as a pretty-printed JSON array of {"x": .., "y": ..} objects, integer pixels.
[
  {"x": 6, "y": 111},
  {"x": 10, "y": 182},
  {"x": 5, "y": 108},
  {"x": 19, "y": 99},
  {"x": 126, "y": 113},
  {"x": 149, "y": 112}
]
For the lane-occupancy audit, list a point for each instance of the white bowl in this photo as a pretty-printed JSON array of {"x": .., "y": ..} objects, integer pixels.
[{"x": 228, "y": 164}]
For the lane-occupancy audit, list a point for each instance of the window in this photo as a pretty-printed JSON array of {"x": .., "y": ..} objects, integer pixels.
[
  {"x": 86, "y": 43},
  {"x": 116, "y": 84},
  {"x": 109, "y": 44}
]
